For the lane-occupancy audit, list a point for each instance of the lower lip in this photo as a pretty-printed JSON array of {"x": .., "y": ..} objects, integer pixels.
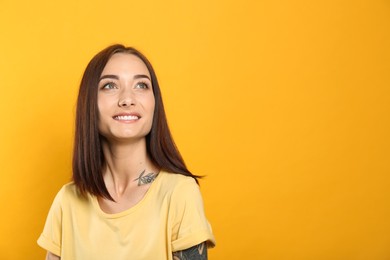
[{"x": 127, "y": 121}]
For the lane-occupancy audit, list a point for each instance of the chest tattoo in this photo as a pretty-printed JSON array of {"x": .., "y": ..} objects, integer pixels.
[{"x": 146, "y": 178}]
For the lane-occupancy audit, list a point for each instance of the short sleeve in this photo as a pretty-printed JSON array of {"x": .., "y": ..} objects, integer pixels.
[
  {"x": 189, "y": 224},
  {"x": 50, "y": 239}
]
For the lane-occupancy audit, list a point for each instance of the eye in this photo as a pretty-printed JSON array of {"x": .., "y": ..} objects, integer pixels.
[
  {"x": 109, "y": 85},
  {"x": 142, "y": 85}
]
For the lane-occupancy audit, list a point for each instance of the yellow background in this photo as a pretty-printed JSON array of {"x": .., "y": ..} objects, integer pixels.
[{"x": 284, "y": 105}]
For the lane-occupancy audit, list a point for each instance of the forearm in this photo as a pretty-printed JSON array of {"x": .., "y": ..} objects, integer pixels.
[
  {"x": 51, "y": 256},
  {"x": 198, "y": 252}
]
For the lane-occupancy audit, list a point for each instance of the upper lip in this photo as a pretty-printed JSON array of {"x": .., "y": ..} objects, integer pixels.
[{"x": 127, "y": 114}]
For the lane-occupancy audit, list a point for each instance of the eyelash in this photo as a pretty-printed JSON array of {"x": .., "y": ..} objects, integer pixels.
[
  {"x": 143, "y": 83},
  {"x": 111, "y": 85}
]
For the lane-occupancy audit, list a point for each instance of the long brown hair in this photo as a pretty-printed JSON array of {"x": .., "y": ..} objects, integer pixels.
[{"x": 88, "y": 159}]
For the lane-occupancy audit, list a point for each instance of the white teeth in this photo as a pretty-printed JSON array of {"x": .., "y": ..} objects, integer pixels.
[{"x": 126, "y": 118}]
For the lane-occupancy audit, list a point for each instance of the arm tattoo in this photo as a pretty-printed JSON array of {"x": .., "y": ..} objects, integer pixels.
[
  {"x": 148, "y": 178},
  {"x": 198, "y": 252}
]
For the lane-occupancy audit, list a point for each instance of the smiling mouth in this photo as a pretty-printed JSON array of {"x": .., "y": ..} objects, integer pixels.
[{"x": 126, "y": 118}]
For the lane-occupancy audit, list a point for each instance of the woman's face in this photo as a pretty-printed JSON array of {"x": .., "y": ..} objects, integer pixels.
[{"x": 125, "y": 99}]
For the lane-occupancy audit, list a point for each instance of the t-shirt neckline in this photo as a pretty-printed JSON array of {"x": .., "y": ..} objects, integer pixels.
[{"x": 125, "y": 212}]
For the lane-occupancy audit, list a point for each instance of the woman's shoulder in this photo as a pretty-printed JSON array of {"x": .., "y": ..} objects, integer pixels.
[
  {"x": 174, "y": 182},
  {"x": 69, "y": 188},
  {"x": 176, "y": 179},
  {"x": 68, "y": 192}
]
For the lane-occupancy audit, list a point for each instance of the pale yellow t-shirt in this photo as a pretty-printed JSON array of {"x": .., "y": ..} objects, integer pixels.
[{"x": 169, "y": 218}]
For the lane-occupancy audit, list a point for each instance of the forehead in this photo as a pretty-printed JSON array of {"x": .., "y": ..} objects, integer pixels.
[{"x": 120, "y": 63}]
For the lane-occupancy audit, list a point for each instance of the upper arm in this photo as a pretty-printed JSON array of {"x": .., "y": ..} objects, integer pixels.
[
  {"x": 51, "y": 236},
  {"x": 51, "y": 256},
  {"x": 188, "y": 222},
  {"x": 198, "y": 252}
]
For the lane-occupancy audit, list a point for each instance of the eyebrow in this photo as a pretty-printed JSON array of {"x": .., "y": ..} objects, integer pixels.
[
  {"x": 109, "y": 77},
  {"x": 141, "y": 76},
  {"x": 138, "y": 76}
]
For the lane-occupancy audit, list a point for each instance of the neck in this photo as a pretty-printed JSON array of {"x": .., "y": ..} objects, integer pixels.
[{"x": 125, "y": 162}]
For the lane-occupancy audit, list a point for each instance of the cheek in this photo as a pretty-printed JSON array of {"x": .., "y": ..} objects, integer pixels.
[
  {"x": 103, "y": 104},
  {"x": 152, "y": 106},
  {"x": 148, "y": 102},
  {"x": 153, "y": 103}
]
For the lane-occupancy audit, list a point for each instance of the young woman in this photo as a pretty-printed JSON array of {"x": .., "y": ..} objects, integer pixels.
[{"x": 132, "y": 196}]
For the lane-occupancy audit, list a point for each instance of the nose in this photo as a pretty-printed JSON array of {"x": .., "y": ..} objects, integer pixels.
[{"x": 126, "y": 100}]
